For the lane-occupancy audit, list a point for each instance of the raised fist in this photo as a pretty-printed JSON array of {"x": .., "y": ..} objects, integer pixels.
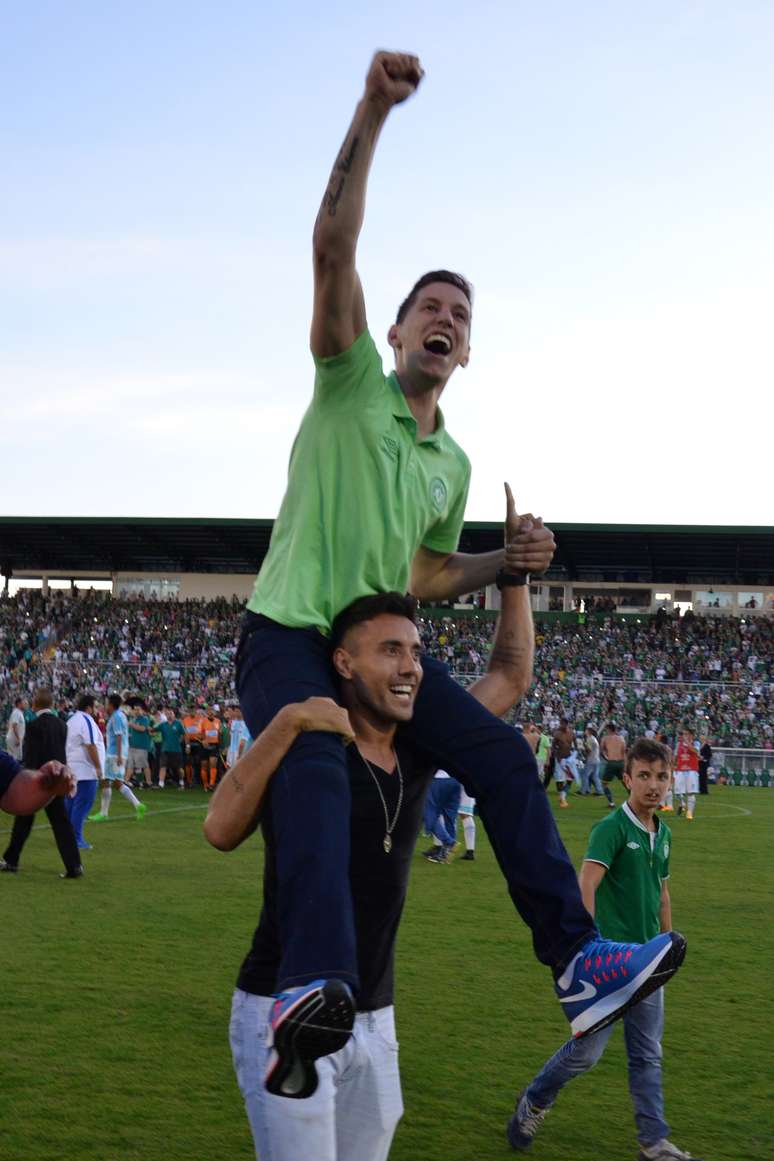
[{"x": 393, "y": 76}]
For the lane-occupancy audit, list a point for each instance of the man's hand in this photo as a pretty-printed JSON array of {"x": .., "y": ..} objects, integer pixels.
[
  {"x": 529, "y": 546},
  {"x": 393, "y": 77},
  {"x": 57, "y": 779},
  {"x": 322, "y": 713}
]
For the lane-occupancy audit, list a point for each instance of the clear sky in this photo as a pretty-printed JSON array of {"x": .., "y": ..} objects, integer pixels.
[{"x": 602, "y": 172}]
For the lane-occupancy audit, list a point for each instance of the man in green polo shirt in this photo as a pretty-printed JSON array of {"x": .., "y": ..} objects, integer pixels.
[
  {"x": 375, "y": 502},
  {"x": 624, "y": 883}
]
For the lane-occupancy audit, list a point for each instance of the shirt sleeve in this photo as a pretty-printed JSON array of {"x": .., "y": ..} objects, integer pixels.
[
  {"x": 339, "y": 378},
  {"x": 605, "y": 842},
  {"x": 9, "y": 768},
  {"x": 444, "y": 536}
]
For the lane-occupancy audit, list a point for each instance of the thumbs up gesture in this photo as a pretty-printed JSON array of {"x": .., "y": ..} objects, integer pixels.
[{"x": 529, "y": 545}]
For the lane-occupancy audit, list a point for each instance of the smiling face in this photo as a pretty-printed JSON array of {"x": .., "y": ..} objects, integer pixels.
[
  {"x": 433, "y": 337},
  {"x": 647, "y": 783},
  {"x": 379, "y": 662}
]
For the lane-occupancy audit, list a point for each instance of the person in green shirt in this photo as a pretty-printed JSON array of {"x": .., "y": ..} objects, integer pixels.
[
  {"x": 375, "y": 502},
  {"x": 624, "y": 881},
  {"x": 140, "y": 745},
  {"x": 172, "y": 739}
]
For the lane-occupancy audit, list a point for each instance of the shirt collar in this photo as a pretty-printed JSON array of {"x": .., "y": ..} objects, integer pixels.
[
  {"x": 401, "y": 410},
  {"x": 633, "y": 818}
]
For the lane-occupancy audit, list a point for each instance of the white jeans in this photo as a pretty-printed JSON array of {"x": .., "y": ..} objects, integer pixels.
[{"x": 354, "y": 1112}]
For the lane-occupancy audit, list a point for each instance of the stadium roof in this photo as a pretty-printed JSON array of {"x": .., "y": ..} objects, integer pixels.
[{"x": 635, "y": 553}]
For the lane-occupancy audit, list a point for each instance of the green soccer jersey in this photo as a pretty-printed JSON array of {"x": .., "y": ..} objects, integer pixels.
[
  {"x": 363, "y": 495},
  {"x": 172, "y": 734},
  {"x": 637, "y": 860},
  {"x": 140, "y": 739}
]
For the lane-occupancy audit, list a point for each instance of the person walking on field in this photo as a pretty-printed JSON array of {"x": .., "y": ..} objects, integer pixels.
[
  {"x": 116, "y": 762},
  {"x": 45, "y": 740},
  {"x": 624, "y": 880},
  {"x": 613, "y": 751}
]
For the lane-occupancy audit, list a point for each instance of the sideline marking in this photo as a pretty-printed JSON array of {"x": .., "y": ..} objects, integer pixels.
[
  {"x": 729, "y": 806},
  {"x": 122, "y": 817}
]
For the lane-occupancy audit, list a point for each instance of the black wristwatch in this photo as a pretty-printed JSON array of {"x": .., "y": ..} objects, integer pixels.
[{"x": 507, "y": 580}]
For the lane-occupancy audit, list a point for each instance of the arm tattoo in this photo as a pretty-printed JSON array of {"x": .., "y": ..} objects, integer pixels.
[
  {"x": 236, "y": 783},
  {"x": 506, "y": 656},
  {"x": 341, "y": 170}
]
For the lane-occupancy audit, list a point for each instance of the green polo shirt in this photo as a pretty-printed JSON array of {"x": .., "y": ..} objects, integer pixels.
[
  {"x": 628, "y": 898},
  {"x": 363, "y": 495},
  {"x": 172, "y": 735},
  {"x": 140, "y": 739}
]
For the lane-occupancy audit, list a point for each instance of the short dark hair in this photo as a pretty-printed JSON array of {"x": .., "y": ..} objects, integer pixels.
[
  {"x": 647, "y": 750},
  {"x": 434, "y": 276},
  {"x": 43, "y": 697},
  {"x": 85, "y": 701},
  {"x": 115, "y": 700},
  {"x": 366, "y": 608}
]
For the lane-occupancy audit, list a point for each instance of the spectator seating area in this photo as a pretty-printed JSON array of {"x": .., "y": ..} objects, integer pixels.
[{"x": 657, "y": 673}]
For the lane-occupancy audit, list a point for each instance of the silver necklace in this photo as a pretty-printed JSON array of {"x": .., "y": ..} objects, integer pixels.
[{"x": 389, "y": 827}]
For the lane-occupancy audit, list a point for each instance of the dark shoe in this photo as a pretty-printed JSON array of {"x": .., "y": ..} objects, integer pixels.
[
  {"x": 9, "y": 868},
  {"x": 437, "y": 855},
  {"x": 75, "y": 873},
  {"x": 524, "y": 1123},
  {"x": 468, "y": 857},
  {"x": 305, "y": 1023}
]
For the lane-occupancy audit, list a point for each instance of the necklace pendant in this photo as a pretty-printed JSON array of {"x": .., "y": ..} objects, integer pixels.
[{"x": 387, "y": 844}]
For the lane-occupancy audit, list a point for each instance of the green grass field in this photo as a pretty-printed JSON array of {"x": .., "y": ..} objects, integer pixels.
[{"x": 117, "y": 989}]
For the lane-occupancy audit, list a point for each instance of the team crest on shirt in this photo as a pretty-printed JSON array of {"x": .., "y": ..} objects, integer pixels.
[
  {"x": 666, "y": 850},
  {"x": 633, "y": 846},
  {"x": 438, "y": 493}
]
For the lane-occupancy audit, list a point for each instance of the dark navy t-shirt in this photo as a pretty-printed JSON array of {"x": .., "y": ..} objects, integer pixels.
[
  {"x": 9, "y": 768},
  {"x": 378, "y": 880}
]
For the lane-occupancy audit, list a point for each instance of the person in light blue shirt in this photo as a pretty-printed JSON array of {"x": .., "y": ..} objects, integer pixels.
[
  {"x": 239, "y": 739},
  {"x": 116, "y": 762}
]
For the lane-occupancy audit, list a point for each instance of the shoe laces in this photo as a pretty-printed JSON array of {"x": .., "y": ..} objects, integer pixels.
[
  {"x": 530, "y": 1117},
  {"x": 603, "y": 961}
]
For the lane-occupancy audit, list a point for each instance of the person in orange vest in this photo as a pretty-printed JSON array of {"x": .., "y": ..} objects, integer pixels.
[
  {"x": 210, "y": 739},
  {"x": 192, "y": 724}
]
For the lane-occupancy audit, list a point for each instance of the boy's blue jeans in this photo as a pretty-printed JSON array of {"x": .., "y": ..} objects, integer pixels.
[
  {"x": 643, "y": 1030},
  {"x": 310, "y": 806}
]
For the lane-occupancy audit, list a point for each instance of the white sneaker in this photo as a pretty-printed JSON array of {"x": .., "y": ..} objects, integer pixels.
[{"x": 664, "y": 1151}]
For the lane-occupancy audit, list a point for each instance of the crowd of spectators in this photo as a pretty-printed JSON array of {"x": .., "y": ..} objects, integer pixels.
[{"x": 646, "y": 673}]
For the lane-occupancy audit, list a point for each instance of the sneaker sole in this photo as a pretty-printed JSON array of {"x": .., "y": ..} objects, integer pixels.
[
  {"x": 319, "y": 1023},
  {"x": 663, "y": 971}
]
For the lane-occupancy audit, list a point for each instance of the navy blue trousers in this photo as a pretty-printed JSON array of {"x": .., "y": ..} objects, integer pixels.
[{"x": 310, "y": 806}]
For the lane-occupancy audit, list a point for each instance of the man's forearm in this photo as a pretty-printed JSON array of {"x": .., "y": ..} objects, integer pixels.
[
  {"x": 342, "y": 210},
  {"x": 235, "y": 805},
  {"x": 509, "y": 672},
  {"x": 460, "y": 573}
]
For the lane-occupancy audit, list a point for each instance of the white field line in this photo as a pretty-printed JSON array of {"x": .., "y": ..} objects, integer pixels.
[{"x": 119, "y": 818}]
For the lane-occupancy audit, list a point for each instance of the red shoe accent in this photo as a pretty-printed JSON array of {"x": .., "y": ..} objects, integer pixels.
[
  {"x": 597, "y": 979},
  {"x": 598, "y": 962},
  {"x": 606, "y": 977},
  {"x": 587, "y": 965}
]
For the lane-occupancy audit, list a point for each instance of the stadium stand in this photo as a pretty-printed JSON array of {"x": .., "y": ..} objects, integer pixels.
[{"x": 659, "y": 672}]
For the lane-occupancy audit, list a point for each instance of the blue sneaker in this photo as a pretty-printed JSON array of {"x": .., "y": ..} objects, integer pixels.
[
  {"x": 306, "y": 1022},
  {"x": 605, "y": 979},
  {"x": 524, "y": 1123}
]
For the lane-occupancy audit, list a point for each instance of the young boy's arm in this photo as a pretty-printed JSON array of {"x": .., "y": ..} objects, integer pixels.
[
  {"x": 665, "y": 907},
  {"x": 591, "y": 875}
]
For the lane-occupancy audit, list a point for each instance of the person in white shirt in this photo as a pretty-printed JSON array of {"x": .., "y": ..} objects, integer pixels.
[
  {"x": 14, "y": 738},
  {"x": 86, "y": 759}
]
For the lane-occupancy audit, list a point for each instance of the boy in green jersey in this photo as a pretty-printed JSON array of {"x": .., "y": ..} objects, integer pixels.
[{"x": 624, "y": 885}]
